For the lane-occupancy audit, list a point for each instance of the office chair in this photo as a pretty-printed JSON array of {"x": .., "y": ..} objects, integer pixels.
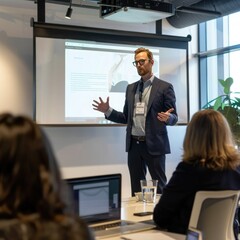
[{"x": 213, "y": 214}]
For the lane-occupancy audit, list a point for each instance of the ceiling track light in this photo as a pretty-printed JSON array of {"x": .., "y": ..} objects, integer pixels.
[{"x": 69, "y": 11}]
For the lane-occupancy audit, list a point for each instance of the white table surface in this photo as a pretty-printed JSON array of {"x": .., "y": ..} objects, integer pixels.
[
  {"x": 150, "y": 235},
  {"x": 130, "y": 206}
]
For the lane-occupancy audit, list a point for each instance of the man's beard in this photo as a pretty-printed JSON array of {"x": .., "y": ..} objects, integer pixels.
[{"x": 142, "y": 72}]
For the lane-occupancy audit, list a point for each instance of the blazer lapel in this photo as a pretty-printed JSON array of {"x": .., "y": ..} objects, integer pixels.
[
  {"x": 155, "y": 86},
  {"x": 132, "y": 98}
]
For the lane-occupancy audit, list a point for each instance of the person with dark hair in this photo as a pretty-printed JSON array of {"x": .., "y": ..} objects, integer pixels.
[
  {"x": 32, "y": 205},
  {"x": 149, "y": 107},
  {"x": 210, "y": 162}
]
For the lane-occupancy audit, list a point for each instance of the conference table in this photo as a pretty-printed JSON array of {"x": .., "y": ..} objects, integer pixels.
[{"x": 131, "y": 206}]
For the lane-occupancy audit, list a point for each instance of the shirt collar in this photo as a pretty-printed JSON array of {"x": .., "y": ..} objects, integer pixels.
[{"x": 148, "y": 82}]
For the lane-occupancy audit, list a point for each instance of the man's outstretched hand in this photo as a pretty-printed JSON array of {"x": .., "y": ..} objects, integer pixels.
[
  {"x": 100, "y": 105},
  {"x": 164, "y": 116}
]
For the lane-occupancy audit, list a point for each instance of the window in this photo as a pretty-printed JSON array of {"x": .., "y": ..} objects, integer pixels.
[{"x": 219, "y": 55}]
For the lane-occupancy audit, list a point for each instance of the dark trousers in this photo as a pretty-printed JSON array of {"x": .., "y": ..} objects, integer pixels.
[{"x": 139, "y": 160}]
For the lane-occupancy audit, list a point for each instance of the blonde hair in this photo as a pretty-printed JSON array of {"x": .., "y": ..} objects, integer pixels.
[{"x": 209, "y": 141}]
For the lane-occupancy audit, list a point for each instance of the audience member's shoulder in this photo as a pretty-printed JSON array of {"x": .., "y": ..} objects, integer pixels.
[
  {"x": 182, "y": 164},
  {"x": 186, "y": 166}
]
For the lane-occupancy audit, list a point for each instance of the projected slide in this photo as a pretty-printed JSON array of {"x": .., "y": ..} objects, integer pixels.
[
  {"x": 93, "y": 71},
  {"x": 70, "y": 74}
]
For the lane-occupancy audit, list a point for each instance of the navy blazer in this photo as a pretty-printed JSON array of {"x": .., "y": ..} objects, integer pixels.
[
  {"x": 173, "y": 211},
  {"x": 161, "y": 99}
]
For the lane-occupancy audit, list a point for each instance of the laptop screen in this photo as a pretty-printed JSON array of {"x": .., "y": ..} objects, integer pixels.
[{"x": 97, "y": 198}]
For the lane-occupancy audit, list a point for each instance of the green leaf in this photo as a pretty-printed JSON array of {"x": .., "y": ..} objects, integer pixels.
[
  {"x": 222, "y": 82},
  {"x": 227, "y": 85},
  {"x": 237, "y": 102},
  {"x": 229, "y": 105},
  {"x": 218, "y": 103}
]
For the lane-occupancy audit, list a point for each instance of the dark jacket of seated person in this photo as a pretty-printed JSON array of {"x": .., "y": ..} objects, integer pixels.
[
  {"x": 34, "y": 201},
  {"x": 210, "y": 162}
]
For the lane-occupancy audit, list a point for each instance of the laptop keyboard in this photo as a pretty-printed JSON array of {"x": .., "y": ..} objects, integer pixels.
[{"x": 110, "y": 225}]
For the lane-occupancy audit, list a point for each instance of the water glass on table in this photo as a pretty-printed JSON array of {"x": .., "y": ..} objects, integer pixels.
[{"x": 149, "y": 190}]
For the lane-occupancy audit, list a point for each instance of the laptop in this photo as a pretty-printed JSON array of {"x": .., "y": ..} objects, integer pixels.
[
  {"x": 193, "y": 234},
  {"x": 97, "y": 199}
]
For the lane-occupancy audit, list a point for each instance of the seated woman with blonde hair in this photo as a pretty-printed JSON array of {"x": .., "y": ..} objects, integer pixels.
[
  {"x": 32, "y": 205},
  {"x": 210, "y": 161}
]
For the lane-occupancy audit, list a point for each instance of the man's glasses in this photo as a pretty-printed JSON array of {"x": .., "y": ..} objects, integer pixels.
[{"x": 140, "y": 62}]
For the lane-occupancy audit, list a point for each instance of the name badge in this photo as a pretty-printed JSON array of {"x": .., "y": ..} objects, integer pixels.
[{"x": 140, "y": 108}]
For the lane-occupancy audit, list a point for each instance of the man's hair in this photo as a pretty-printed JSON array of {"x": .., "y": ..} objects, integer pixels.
[
  {"x": 209, "y": 141},
  {"x": 141, "y": 49}
]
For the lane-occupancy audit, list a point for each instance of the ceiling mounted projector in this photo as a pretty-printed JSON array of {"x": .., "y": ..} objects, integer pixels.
[{"x": 135, "y": 11}]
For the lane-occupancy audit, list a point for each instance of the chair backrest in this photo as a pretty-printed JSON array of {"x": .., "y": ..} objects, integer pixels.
[{"x": 213, "y": 214}]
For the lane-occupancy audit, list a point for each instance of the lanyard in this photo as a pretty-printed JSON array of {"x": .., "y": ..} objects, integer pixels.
[{"x": 141, "y": 90}]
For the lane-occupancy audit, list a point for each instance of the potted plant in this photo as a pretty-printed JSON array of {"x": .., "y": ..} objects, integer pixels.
[{"x": 229, "y": 106}]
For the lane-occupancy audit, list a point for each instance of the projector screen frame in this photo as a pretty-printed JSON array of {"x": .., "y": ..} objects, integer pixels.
[{"x": 48, "y": 30}]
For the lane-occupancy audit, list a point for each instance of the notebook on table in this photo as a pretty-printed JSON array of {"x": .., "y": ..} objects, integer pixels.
[{"x": 97, "y": 200}]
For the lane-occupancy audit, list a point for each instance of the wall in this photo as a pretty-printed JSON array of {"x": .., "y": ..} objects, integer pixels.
[{"x": 81, "y": 151}]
